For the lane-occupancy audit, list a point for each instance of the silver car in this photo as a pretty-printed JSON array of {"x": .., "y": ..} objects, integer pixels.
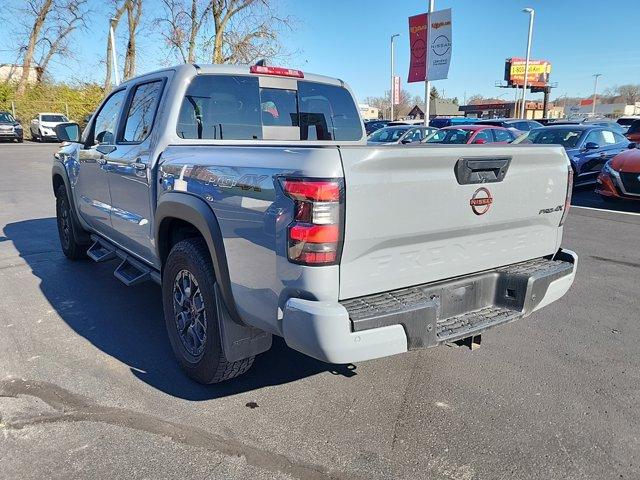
[{"x": 399, "y": 134}]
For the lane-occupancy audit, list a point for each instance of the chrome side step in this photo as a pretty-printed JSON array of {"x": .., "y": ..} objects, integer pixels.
[
  {"x": 129, "y": 271},
  {"x": 99, "y": 251}
]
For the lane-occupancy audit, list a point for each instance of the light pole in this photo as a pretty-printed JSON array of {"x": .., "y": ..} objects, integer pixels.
[
  {"x": 595, "y": 94},
  {"x": 392, "y": 75},
  {"x": 532, "y": 14},
  {"x": 116, "y": 75},
  {"x": 427, "y": 83}
]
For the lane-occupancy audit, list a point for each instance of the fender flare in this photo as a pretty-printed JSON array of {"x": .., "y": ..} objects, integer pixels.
[
  {"x": 197, "y": 212},
  {"x": 58, "y": 169}
]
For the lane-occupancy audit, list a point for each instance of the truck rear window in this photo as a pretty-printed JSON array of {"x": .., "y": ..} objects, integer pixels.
[{"x": 234, "y": 107}]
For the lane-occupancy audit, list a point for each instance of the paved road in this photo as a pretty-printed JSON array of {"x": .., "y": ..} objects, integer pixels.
[{"x": 89, "y": 388}]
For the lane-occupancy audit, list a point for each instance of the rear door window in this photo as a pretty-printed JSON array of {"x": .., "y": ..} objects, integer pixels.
[{"x": 142, "y": 111}]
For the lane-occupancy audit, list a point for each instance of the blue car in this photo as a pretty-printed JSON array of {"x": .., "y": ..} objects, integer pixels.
[{"x": 588, "y": 146}]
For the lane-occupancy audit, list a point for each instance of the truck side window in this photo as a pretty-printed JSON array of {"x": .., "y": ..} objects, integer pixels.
[
  {"x": 221, "y": 107},
  {"x": 142, "y": 111},
  {"x": 107, "y": 119}
]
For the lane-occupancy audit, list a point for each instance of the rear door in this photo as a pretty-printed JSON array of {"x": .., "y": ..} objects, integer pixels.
[{"x": 409, "y": 217}]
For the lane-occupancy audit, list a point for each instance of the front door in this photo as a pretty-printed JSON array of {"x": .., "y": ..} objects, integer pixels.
[
  {"x": 130, "y": 171},
  {"x": 92, "y": 197}
]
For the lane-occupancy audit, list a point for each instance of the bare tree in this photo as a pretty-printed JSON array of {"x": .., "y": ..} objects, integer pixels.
[
  {"x": 134, "y": 14},
  {"x": 383, "y": 104},
  {"x": 115, "y": 20},
  {"x": 246, "y": 30},
  {"x": 184, "y": 21},
  {"x": 630, "y": 93},
  {"x": 66, "y": 17},
  {"x": 44, "y": 32},
  {"x": 39, "y": 10}
]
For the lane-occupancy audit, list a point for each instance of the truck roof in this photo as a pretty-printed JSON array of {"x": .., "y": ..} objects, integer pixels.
[{"x": 209, "y": 69}]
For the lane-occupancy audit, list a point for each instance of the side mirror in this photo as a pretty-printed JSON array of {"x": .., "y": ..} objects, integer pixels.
[
  {"x": 632, "y": 145},
  {"x": 591, "y": 146},
  {"x": 480, "y": 141},
  {"x": 68, "y": 132}
]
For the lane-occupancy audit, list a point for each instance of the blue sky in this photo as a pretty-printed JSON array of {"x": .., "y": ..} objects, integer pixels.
[{"x": 349, "y": 39}]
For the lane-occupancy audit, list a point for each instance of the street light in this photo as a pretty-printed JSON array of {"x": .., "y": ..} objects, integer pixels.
[
  {"x": 531, "y": 13},
  {"x": 114, "y": 57},
  {"x": 595, "y": 93},
  {"x": 392, "y": 73}
]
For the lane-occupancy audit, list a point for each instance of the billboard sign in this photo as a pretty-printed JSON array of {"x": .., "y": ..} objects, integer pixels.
[
  {"x": 396, "y": 90},
  {"x": 430, "y": 42},
  {"x": 538, "y": 75}
]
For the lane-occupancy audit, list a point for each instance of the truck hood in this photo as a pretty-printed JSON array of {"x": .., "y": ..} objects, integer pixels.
[{"x": 628, "y": 161}]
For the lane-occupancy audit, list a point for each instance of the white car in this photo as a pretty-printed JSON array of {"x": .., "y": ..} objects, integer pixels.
[{"x": 43, "y": 126}]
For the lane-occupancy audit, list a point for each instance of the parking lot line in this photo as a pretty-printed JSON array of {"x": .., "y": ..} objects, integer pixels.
[{"x": 605, "y": 210}]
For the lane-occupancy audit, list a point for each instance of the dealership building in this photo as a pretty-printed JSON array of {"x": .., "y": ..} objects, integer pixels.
[{"x": 533, "y": 110}]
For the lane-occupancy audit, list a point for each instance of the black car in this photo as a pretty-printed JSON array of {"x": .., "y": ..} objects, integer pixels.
[
  {"x": 373, "y": 125},
  {"x": 600, "y": 122},
  {"x": 10, "y": 128},
  {"x": 514, "y": 124}
]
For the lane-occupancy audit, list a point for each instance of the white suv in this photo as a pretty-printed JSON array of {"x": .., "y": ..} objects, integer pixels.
[{"x": 43, "y": 126}]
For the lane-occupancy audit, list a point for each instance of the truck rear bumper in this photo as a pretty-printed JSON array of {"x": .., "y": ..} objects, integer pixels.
[{"x": 425, "y": 315}]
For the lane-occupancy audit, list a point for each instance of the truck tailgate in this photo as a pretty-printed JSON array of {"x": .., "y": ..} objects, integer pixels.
[{"x": 409, "y": 217}]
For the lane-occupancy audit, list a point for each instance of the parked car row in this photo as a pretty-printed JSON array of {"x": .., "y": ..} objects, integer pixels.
[
  {"x": 597, "y": 149},
  {"x": 41, "y": 128}
]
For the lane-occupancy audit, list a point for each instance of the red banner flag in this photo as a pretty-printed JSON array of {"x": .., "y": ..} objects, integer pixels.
[{"x": 418, "y": 33}]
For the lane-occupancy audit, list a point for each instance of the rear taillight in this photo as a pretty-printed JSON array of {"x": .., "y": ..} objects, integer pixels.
[
  {"x": 315, "y": 234},
  {"x": 278, "y": 71},
  {"x": 567, "y": 200}
]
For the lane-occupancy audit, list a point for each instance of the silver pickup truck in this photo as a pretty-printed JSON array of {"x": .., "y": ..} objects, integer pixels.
[{"x": 250, "y": 195}]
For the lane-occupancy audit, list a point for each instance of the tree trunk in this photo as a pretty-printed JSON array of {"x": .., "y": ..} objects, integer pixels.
[
  {"x": 134, "y": 11},
  {"x": 33, "y": 38},
  {"x": 193, "y": 32}
]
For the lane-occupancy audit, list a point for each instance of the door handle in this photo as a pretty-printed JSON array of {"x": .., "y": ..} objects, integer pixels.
[
  {"x": 101, "y": 160},
  {"x": 139, "y": 165}
]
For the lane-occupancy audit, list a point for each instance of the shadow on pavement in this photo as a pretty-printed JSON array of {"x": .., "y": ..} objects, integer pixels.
[
  {"x": 127, "y": 322},
  {"x": 586, "y": 197}
]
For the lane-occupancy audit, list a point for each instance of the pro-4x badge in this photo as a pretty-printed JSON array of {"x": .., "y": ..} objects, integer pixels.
[{"x": 481, "y": 201}]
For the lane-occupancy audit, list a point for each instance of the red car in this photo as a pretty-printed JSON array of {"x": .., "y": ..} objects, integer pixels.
[
  {"x": 466, "y": 134},
  {"x": 620, "y": 177}
]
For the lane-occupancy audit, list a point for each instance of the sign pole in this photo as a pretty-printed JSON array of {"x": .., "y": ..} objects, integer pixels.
[
  {"x": 427, "y": 83},
  {"x": 531, "y": 13},
  {"x": 595, "y": 94},
  {"x": 393, "y": 83}
]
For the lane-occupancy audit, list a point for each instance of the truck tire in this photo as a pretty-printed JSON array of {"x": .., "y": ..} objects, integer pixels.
[
  {"x": 190, "y": 314},
  {"x": 71, "y": 247}
]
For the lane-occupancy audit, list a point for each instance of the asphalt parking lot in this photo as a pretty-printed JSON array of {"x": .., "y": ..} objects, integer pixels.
[{"x": 89, "y": 387}]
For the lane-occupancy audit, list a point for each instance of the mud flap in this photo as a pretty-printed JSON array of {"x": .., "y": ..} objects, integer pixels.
[{"x": 238, "y": 341}]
